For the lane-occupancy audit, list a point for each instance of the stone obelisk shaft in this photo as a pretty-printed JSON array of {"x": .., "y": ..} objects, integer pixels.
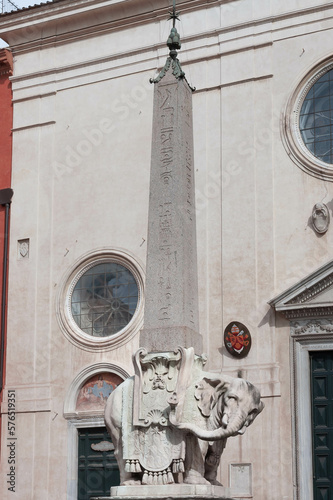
[{"x": 171, "y": 291}]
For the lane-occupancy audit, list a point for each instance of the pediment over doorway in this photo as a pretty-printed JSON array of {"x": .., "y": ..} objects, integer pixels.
[{"x": 311, "y": 297}]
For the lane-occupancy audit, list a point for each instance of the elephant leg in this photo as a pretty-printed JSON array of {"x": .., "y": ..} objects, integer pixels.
[
  {"x": 126, "y": 478},
  {"x": 212, "y": 461},
  {"x": 194, "y": 460},
  {"x": 113, "y": 424}
]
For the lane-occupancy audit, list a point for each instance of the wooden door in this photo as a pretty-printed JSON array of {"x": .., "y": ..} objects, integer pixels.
[
  {"x": 322, "y": 423},
  {"x": 97, "y": 466}
]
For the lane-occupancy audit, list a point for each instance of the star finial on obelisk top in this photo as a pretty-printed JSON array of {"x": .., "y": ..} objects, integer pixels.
[
  {"x": 174, "y": 44},
  {"x": 174, "y": 39},
  {"x": 173, "y": 14}
]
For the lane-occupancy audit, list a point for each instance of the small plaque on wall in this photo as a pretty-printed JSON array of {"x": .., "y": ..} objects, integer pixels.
[
  {"x": 241, "y": 480},
  {"x": 237, "y": 339}
]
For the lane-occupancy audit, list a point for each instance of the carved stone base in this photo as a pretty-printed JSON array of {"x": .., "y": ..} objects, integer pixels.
[{"x": 168, "y": 492}]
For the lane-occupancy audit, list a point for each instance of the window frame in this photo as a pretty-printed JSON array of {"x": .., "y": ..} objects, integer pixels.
[
  {"x": 291, "y": 134},
  {"x": 64, "y": 308}
]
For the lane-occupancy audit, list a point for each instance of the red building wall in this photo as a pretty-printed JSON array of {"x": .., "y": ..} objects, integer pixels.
[{"x": 6, "y": 123}]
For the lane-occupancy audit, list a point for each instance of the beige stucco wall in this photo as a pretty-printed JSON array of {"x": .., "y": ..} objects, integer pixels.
[{"x": 78, "y": 190}]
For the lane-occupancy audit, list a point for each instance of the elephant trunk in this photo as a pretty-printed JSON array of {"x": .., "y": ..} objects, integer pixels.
[{"x": 234, "y": 425}]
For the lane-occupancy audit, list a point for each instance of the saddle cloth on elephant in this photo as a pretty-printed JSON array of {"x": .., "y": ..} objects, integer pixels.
[{"x": 153, "y": 448}]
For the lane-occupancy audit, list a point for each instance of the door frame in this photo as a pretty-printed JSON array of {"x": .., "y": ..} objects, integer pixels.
[
  {"x": 73, "y": 451},
  {"x": 301, "y": 345},
  {"x": 80, "y": 420}
]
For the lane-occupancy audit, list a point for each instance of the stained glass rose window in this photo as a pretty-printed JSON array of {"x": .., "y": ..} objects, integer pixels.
[
  {"x": 316, "y": 118},
  {"x": 104, "y": 299}
]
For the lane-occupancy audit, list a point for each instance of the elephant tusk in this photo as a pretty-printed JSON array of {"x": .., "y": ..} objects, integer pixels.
[{"x": 225, "y": 420}]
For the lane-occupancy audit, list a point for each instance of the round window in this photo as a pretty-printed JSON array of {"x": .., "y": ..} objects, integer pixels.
[
  {"x": 100, "y": 302},
  {"x": 104, "y": 299},
  {"x": 308, "y": 126},
  {"x": 316, "y": 118}
]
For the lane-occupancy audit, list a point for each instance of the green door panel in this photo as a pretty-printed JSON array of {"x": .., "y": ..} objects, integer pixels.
[
  {"x": 97, "y": 466},
  {"x": 322, "y": 423}
]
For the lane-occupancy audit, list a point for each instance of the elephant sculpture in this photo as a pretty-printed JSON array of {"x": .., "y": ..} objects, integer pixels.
[
  {"x": 230, "y": 406},
  {"x": 170, "y": 422}
]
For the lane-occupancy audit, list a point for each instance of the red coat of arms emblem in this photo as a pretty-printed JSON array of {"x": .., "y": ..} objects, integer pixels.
[{"x": 237, "y": 339}]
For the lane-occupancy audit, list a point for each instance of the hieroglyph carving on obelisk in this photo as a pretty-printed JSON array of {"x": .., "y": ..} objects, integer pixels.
[{"x": 171, "y": 292}]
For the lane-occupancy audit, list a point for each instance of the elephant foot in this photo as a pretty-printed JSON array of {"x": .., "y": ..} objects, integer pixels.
[
  {"x": 131, "y": 482},
  {"x": 193, "y": 477},
  {"x": 214, "y": 482}
]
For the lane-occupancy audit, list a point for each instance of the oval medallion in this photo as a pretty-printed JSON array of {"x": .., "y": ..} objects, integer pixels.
[
  {"x": 237, "y": 339},
  {"x": 320, "y": 217},
  {"x": 102, "y": 446}
]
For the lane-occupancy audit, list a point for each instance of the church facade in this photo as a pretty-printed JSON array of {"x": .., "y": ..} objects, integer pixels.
[{"x": 263, "y": 142}]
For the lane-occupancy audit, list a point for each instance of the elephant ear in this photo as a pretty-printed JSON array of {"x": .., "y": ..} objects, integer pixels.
[{"x": 207, "y": 392}]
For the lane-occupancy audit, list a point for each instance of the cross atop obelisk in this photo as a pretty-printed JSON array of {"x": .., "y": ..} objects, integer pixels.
[
  {"x": 171, "y": 293},
  {"x": 173, "y": 14}
]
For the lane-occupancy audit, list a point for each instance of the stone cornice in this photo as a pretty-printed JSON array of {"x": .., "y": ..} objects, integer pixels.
[
  {"x": 20, "y": 27},
  {"x": 313, "y": 290},
  {"x": 130, "y": 62},
  {"x": 119, "y": 12},
  {"x": 313, "y": 312},
  {"x": 297, "y": 301}
]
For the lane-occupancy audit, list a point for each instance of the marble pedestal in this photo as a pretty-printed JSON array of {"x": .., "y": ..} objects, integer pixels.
[{"x": 168, "y": 492}]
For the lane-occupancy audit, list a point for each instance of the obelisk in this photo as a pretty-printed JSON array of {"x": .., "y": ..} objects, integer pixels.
[
  {"x": 171, "y": 296},
  {"x": 169, "y": 423}
]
